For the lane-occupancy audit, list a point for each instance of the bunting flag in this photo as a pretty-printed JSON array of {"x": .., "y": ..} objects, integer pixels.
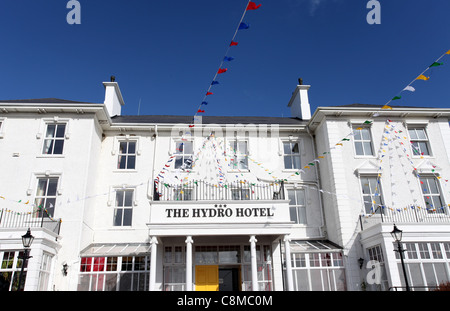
[
  {"x": 436, "y": 64},
  {"x": 253, "y": 6},
  {"x": 448, "y": 52},
  {"x": 386, "y": 107},
  {"x": 396, "y": 97},
  {"x": 409, "y": 88},
  {"x": 204, "y": 103},
  {"x": 241, "y": 26},
  {"x": 422, "y": 77}
]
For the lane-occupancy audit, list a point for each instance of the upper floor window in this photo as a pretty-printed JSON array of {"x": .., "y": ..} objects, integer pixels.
[
  {"x": 291, "y": 155},
  {"x": 123, "y": 210},
  {"x": 54, "y": 139},
  {"x": 419, "y": 141},
  {"x": 432, "y": 195},
  {"x": 184, "y": 152},
  {"x": 240, "y": 154},
  {"x": 127, "y": 155},
  {"x": 45, "y": 199},
  {"x": 372, "y": 197},
  {"x": 297, "y": 206},
  {"x": 363, "y": 141}
]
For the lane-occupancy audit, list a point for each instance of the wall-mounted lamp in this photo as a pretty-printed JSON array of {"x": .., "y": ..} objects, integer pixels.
[
  {"x": 361, "y": 262},
  {"x": 65, "y": 268}
]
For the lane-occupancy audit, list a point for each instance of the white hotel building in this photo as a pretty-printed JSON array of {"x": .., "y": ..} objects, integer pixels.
[{"x": 234, "y": 198}]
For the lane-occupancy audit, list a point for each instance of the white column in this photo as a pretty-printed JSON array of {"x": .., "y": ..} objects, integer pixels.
[
  {"x": 189, "y": 242},
  {"x": 287, "y": 249},
  {"x": 154, "y": 245},
  {"x": 253, "y": 241}
]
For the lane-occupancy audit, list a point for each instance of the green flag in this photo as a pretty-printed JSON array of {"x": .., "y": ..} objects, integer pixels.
[
  {"x": 396, "y": 97},
  {"x": 435, "y": 64}
]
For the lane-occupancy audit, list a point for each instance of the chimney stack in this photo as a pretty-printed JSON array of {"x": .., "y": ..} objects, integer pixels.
[
  {"x": 113, "y": 97},
  {"x": 299, "y": 102}
]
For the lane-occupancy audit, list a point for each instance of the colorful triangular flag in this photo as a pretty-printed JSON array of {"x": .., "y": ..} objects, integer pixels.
[
  {"x": 422, "y": 77},
  {"x": 243, "y": 26},
  {"x": 409, "y": 88},
  {"x": 252, "y": 6}
]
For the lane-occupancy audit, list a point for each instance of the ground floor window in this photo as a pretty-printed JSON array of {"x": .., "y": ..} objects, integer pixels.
[
  {"x": 318, "y": 271},
  {"x": 115, "y": 273},
  {"x": 427, "y": 264},
  {"x": 44, "y": 272},
  {"x": 234, "y": 260},
  {"x": 11, "y": 265}
]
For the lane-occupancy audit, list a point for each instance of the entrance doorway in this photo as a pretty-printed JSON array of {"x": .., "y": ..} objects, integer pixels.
[
  {"x": 215, "y": 278},
  {"x": 229, "y": 279}
]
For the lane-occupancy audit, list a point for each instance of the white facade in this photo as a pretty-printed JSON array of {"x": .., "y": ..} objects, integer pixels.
[{"x": 260, "y": 190}]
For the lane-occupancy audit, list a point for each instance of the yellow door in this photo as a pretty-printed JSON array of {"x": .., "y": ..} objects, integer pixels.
[{"x": 207, "y": 278}]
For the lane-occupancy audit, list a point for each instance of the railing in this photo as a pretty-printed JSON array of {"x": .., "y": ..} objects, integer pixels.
[
  {"x": 410, "y": 214},
  {"x": 201, "y": 190},
  {"x": 11, "y": 219},
  {"x": 413, "y": 288}
]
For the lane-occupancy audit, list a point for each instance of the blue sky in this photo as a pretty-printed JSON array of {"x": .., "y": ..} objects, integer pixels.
[{"x": 165, "y": 53}]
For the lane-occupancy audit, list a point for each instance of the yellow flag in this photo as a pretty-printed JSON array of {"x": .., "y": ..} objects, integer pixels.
[
  {"x": 422, "y": 77},
  {"x": 448, "y": 52},
  {"x": 386, "y": 107}
]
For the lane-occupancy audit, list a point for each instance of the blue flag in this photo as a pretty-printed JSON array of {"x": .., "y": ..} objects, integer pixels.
[
  {"x": 244, "y": 26},
  {"x": 228, "y": 59},
  {"x": 214, "y": 82}
]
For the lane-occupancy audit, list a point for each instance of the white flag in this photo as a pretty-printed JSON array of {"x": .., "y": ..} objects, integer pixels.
[{"x": 409, "y": 88}]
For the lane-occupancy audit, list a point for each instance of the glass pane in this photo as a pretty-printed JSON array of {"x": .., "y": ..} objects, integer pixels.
[
  {"x": 52, "y": 186},
  {"x": 59, "y": 144},
  {"x": 287, "y": 162},
  {"x": 365, "y": 134},
  {"x": 132, "y": 147},
  {"x": 122, "y": 162},
  {"x": 243, "y": 147},
  {"x": 61, "y": 128},
  {"x": 296, "y": 160},
  {"x": 368, "y": 148},
  {"x": 287, "y": 148},
  {"x": 188, "y": 147},
  {"x": 42, "y": 187},
  {"x": 123, "y": 147},
  {"x": 295, "y": 148},
  {"x": 302, "y": 215},
  {"x": 131, "y": 162},
  {"x": 118, "y": 217},
  {"x": 293, "y": 214},
  {"x": 412, "y": 134},
  {"x": 359, "y": 148},
  {"x": 423, "y": 147},
  {"x": 178, "y": 162},
  {"x": 50, "y": 130},
  {"x": 128, "y": 198},
  {"x": 48, "y": 146},
  {"x": 421, "y": 134},
  {"x": 357, "y": 134},
  {"x": 300, "y": 197},
  {"x": 119, "y": 197},
  {"x": 433, "y": 186},
  {"x": 127, "y": 216},
  {"x": 365, "y": 185}
]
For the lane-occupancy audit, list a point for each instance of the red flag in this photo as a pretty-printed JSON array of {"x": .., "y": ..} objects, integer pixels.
[
  {"x": 201, "y": 111},
  {"x": 252, "y": 6},
  {"x": 191, "y": 125},
  {"x": 222, "y": 70},
  {"x": 209, "y": 93},
  {"x": 233, "y": 43}
]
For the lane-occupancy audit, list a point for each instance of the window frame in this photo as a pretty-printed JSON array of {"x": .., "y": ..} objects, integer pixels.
[
  {"x": 292, "y": 155},
  {"x": 298, "y": 207},
  {"x": 415, "y": 127},
  {"x": 54, "y": 138},
  {"x": 362, "y": 141},
  {"x": 436, "y": 210},
  {"x": 236, "y": 155},
  {"x": 124, "y": 208},
  {"x": 184, "y": 156},
  {"x": 372, "y": 195},
  {"x": 38, "y": 212},
  {"x": 126, "y": 155}
]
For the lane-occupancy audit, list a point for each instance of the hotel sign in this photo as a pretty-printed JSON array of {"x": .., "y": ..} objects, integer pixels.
[{"x": 199, "y": 212}]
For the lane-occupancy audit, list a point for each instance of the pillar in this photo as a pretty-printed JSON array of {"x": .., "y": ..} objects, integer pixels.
[
  {"x": 154, "y": 245},
  {"x": 253, "y": 241},
  {"x": 287, "y": 249},
  {"x": 189, "y": 242}
]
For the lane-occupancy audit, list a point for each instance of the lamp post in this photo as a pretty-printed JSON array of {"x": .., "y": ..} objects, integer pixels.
[
  {"x": 27, "y": 239},
  {"x": 397, "y": 235}
]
